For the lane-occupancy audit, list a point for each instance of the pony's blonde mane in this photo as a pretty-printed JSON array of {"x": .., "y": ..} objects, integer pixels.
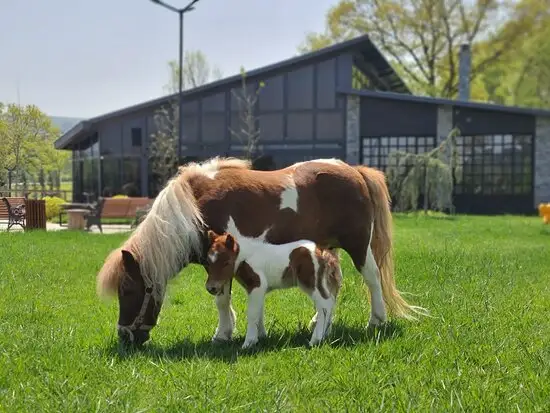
[
  {"x": 169, "y": 234},
  {"x": 211, "y": 166}
]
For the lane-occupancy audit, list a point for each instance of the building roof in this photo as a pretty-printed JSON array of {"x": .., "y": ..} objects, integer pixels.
[
  {"x": 443, "y": 101},
  {"x": 360, "y": 46}
]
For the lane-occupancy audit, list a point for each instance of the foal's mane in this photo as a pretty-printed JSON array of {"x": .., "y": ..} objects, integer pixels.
[{"x": 170, "y": 232}]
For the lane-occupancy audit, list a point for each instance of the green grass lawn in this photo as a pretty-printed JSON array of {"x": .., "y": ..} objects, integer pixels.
[
  {"x": 486, "y": 282},
  {"x": 104, "y": 221}
]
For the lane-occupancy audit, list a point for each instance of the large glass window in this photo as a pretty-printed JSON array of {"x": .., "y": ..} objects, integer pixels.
[
  {"x": 110, "y": 177},
  {"x": 376, "y": 150},
  {"x": 136, "y": 137},
  {"x": 77, "y": 180},
  {"x": 90, "y": 177},
  {"x": 495, "y": 164},
  {"x": 94, "y": 145},
  {"x": 131, "y": 176}
]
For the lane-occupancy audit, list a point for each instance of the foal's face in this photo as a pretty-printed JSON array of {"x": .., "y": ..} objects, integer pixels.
[
  {"x": 220, "y": 261},
  {"x": 132, "y": 292}
]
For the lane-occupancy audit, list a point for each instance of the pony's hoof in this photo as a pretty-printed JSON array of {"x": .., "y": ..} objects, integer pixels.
[
  {"x": 249, "y": 344},
  {"x": 377, "y": 320},
  {"x": 314, "y": 343},
  {"x": 223, "y": 337}
]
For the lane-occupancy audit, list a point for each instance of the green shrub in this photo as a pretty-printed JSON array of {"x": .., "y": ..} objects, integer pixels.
[
  {"x": 53, "y": 206},
  {"x": 120, "y": 196}
]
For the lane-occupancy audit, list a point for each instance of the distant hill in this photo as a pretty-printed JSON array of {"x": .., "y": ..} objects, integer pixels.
[{"x": 64, "y": 123}]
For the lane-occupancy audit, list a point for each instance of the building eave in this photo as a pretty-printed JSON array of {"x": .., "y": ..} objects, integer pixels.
[
  {"x": 65, "y": 140},
  {"x": 446, "y": 102}
]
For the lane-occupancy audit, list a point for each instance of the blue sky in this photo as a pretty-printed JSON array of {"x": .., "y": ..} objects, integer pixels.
[{"x": 84, "y": 58}]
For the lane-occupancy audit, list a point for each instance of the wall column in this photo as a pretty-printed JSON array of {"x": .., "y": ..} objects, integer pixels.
[
  {"x": 542, "y": 160},
  {"x": 353, "y": 116}
]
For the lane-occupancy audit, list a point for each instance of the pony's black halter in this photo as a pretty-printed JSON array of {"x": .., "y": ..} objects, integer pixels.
[{"x": 138, "y": 321}]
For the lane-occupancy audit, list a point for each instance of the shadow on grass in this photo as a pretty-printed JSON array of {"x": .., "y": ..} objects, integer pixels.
[{"x": 341, "y": 336}]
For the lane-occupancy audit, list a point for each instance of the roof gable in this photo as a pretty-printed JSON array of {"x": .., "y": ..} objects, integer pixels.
[{"x": 361, "y": 46}]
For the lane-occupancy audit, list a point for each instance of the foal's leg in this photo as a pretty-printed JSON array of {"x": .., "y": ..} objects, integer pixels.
[
  {"x": 256, "y": 299},
  {"x": 313, "y": 321},
  {"x": 325, "y": 307},
  {"x": 261, "y": 325},
  {"x": 227, "y": 317}
]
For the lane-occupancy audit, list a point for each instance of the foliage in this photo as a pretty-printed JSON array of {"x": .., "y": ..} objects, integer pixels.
[
  {"x": 53, "y": 206},
  {"x": 248, "y": 132},
  {"x": 421, "y": 39},
  {"x": 485, "y": 349},
  {"x": 26, "y": 145},
  {"x": 431, "y": 174},
  {"x": 24, "y": 135},
  {"x": 197, "y": 71},
  {"x": 524, "y": 78}
]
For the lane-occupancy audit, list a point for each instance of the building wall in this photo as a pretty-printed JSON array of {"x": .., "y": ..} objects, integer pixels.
[
  {"x": 388, "y": 125},
  {"x": 495, "y": 149},
  {"x": 299, "y": 113},
  {"x": 542, "y": 161}
]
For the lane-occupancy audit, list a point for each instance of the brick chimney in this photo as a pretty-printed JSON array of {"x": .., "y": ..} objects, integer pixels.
[{"x": 464, "y": 62}]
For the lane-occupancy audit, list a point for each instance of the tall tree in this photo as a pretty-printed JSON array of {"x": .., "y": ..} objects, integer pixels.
[
  {"x": 422, "y": 38},
  {"x": 197, "y": 71},
  {"x": 26, "y": 134},
  {"x": 524, "y": 77}
]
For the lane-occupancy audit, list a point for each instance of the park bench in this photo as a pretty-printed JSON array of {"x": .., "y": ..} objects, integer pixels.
[
  {"x": 12, "y": 210},
  {"x": 117, "y": 208}
]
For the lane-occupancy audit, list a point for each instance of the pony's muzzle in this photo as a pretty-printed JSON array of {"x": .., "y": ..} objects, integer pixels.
[
  {"x": 212, "y": 289},
  {"x": 128, "y": 337}
]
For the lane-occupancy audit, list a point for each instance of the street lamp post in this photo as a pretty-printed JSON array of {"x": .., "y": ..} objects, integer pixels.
[{"x": 180, "y": 12}]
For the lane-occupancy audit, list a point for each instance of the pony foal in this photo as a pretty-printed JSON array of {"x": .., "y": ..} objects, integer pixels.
[{"x": 261, "y": 268}]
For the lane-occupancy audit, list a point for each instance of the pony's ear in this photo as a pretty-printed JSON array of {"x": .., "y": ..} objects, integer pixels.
[
  {"x": 130, "y": 264},
  {"x": 229, "y": 242},
  {"x": 211, "y": 237}
]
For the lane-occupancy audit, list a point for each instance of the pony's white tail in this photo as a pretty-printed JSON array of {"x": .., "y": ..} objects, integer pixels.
[{"x": 381, "y": 244}]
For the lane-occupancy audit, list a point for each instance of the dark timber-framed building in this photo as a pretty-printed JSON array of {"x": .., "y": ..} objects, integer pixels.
[{"x": 344, "y": 101}]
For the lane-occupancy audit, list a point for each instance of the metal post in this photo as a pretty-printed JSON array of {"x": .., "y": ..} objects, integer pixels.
[
  {"x": 180, "y": 89},
  {"x": 189, "y": 7}
]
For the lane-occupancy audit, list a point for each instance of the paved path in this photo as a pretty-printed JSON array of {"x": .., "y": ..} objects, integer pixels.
[{"x": 51, "y": 226}]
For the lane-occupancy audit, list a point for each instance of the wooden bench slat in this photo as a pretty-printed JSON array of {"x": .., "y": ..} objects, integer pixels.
[{"x": 120, "y": 208}]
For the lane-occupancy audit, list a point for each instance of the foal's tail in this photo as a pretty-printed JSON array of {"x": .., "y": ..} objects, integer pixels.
[{"x": 381, "y": 243}]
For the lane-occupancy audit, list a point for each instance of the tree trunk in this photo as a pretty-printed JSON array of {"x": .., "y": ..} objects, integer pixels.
[{"x": 9, "y": 182}]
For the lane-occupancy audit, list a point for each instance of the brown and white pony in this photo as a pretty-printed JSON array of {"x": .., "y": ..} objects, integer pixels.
[
  {"x": 261, "y": 268},
  {"x": 326, "y": 201}
]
